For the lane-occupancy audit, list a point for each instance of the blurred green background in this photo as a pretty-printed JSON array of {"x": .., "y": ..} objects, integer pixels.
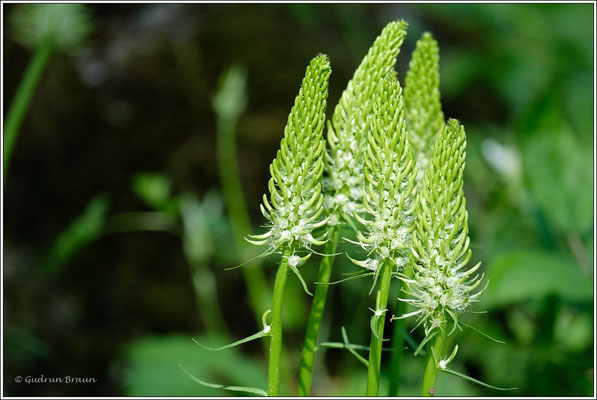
[{"x": 116, "y": 233}]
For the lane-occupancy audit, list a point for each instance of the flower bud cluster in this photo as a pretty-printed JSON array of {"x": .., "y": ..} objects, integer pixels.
[
  {"x": 347, "y": 134},
  {"x": 424, "y": 116},
  {"x": 442, "y": 287},
  {"x": 296, "y": 201},
  {"x": 389, "y": 196}
]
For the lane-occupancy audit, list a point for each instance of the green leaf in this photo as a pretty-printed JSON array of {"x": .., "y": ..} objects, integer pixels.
[
  {"x": 424, "y": 342},
  {"x": 468, "y": 378},
  {"x": 522, "y": 275},
  {"x": 300, "y": 277},
  {"x": 359, "y": 275},
  {"x": 154, "y": 190},
  {"x": 257, "y": 391},
  {"x": 559, "y": 166},
  {"x": 83, "y": 230},
  {"x": 352, "y": 351},
  {"x": 482, "y": 333},
  {"x": 258, "y": 335},
  {"x": 338, "y": 345},
  {"x": 411, "y": 342},
  {"x": 374, "y": 324},
  {"x": 151, "y": 366}
]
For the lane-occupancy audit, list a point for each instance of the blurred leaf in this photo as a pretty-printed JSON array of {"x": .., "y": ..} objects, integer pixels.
[
  {"x": 206, "y": 229},
  {"x": 245, "y": 389},
  {"x": 153, "y": 367},
  {"x": 198, "y": 243},
  {"x": 522, "y": 326},
  {"x": 84, "y": 229},
  {"x": 523, "y": 275},
  {"x": 574, "y": 330},
  {"x": 154, "y": 190},
  {"x": 559, "y": 168},
  {"x": 24, "y": 344}
]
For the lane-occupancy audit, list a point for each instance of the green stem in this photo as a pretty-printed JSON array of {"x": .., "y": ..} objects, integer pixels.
[
  {"x": 317, "y": 307},
  {"x": 259, "y": 294},
  {"x": 396, "y": 359},
  {"x": 433, "y": 357},
  {"x": 376, "y": 344},
  {"x": 275, "y": 351},
  {"x": 20, "y": 103}
]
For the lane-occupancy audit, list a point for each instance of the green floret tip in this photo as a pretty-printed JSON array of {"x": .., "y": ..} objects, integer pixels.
[
  {"x": 347, "y": 132},
  {"x": 295, "y": 205}
]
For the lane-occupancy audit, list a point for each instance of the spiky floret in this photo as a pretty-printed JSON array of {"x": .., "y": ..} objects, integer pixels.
[
  {"x": 389, "y": 194},
  {"x": 442, "y": 286},
  {"x": 296, "y": 201},
  {"x": 424, "y": 116},
  {"x": 347, "y": 133}
]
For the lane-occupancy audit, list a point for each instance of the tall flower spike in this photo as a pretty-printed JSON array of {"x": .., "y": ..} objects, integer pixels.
[
  {"x": 424, "y": 116},
  {"x": 389, "y": 196},
  {"x": 442, "y": 287},
  {"x": 347, "y": 133},
  {"x": 296, "y": 202}
]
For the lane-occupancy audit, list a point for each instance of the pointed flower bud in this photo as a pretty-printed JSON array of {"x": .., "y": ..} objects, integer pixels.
[
  {"x": 296, "y": 202},
  {"x": 424, "y": 116},
  {"x": 389, "y": 196},
  {"x": 347, "y": 134},
  {"x": 442, "y": 287}
]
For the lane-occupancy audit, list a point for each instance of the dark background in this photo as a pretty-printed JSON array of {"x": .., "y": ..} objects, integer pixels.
[{"x": 136, "y": 98}]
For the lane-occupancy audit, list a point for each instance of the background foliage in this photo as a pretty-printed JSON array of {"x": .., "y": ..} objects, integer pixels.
[{"x": 126, "y": 125}]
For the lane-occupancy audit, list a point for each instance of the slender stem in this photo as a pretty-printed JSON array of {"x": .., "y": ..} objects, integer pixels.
[
  {"x": 259, "y": 294},
  {"x": 376, "y": 344},
  {"x": 317, "y": 307},
  {"x": 275, "y": 351},
  {"x": 396, "y": 359},
  {"x": 20, "y": 103},
  {"x": 435, "y": 354}
]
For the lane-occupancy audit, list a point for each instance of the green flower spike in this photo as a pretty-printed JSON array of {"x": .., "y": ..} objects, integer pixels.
[
  {"x": 296, "y": 201},
  {"x": 442, "y": 287},
  {"x": 347, "y": 133},
  {"x": 65, "y": 25},
  {"x": 389, "y": 202},
  {"x": 389, "y": 196},
  {"x": 424, "y": 116}
]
